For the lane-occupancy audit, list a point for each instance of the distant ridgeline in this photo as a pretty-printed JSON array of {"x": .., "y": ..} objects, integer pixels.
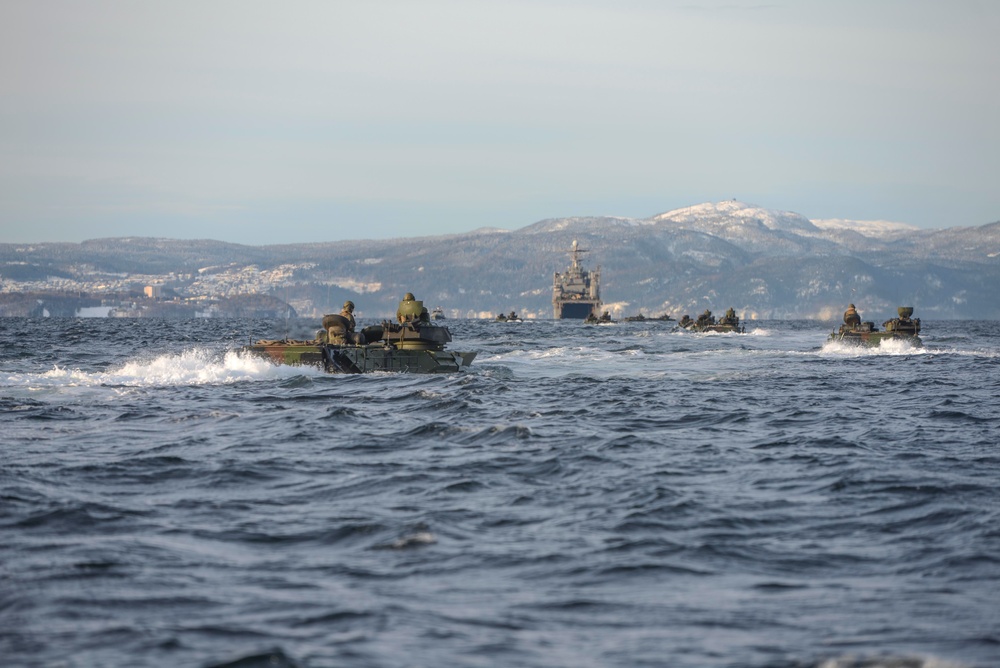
[{"x": 763, "y": 263}]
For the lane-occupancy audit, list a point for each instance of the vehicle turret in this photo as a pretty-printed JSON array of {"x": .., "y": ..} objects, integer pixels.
[{"x": 903, "y": 324}]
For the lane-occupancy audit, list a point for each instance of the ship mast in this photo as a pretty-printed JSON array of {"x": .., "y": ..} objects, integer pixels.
[{"x": 576, "y": 250}]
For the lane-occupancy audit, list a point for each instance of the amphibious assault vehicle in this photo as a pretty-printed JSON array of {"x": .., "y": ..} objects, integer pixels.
[
  {"x": 603, "y": 319},
  {"x": 901, "y": 328},
  {"x": 643, "y": 318},
  {"x": 706, "y": 322},
  {"x": 413, "y": 344}
]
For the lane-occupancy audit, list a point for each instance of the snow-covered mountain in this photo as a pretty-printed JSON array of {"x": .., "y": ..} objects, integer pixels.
[
  {"x": 876, "y": 229},
  {"x": 765, "y": 263},
  {"x": 722, "y": 217}
]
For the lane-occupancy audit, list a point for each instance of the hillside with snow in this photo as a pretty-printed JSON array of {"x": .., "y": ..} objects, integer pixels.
[
  {"x": 765, "y": 263},
  {"x": 732, "y": 214},
  {"x": 877, "y": 229}
]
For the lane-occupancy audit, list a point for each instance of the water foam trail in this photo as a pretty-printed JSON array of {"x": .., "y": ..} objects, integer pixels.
[
  {"x": 197, "y": 366},
  {"x": 885, "y": 348}
]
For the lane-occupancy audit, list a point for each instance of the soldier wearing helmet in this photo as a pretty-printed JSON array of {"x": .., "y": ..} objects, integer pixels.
[
  {"x": 851, "y": 316},
  {"x": 348, "y": 313},
  {"x": 409, "y": 309}
]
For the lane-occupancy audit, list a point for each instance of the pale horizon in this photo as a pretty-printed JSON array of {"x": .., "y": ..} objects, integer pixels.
[{"x": 264, "y": 123}]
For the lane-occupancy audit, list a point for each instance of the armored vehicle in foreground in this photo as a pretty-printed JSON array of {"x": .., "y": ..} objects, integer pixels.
[
  {"x": 706, "y": 322},
  {"x": 856, "y": 332},
  {"x": 413, "y": 344}
]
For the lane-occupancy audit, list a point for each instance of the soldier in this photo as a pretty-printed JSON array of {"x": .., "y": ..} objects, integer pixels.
[
  {"x": 348, "y": 313},
  {"x": 851, "y": 316},
  {"x": 339, "y": 328},
  {"x": 402, "y": 317}
]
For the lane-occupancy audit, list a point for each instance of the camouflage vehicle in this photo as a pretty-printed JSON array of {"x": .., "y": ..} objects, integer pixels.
[
  {"x": 604, "y": 319},
  {"x": 413, "y": 344},
  {"x": 642, "y": 318},
  {"x": 856, "y": 332},
  {"x": 510, "y": 317},
  {"x": 706, "y": 322}
]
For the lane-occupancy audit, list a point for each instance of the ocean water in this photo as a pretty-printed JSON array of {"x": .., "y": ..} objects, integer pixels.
[{"x": 621, "y": 495}]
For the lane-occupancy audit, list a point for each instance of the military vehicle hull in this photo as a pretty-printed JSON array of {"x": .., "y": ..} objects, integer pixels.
[
  {"x": 365, "y": 358},
  {"x": 716, "y": 328},
  {"x": 874, "y": 339}
]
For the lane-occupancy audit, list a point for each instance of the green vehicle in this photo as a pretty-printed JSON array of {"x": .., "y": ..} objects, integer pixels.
[
  {"x": 707, "y": 322},
  {"x": 412, "y": 345},
  {"x": 604, "y": 319},
  {"x": 642, "y": 318},
  {"x": 865, "y": 333}
]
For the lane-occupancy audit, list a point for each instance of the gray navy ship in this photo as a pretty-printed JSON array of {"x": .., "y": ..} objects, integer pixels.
[{"x": 576, "y": 292}]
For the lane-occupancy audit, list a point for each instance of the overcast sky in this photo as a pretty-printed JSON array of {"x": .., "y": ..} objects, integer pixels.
[{"x": 270, "y": 122}]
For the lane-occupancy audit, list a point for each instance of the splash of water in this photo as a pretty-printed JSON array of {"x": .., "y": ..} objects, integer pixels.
[
  {"x": 890, "y": 347},
  {"x": 197, "y": 366}
]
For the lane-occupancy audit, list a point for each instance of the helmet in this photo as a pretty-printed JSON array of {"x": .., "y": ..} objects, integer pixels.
[
  {"x": 349, "y": 305},
  {"x": 408, "y": 297}
]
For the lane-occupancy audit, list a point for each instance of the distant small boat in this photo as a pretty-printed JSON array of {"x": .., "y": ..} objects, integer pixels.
[{"x": 437, "y": 313}]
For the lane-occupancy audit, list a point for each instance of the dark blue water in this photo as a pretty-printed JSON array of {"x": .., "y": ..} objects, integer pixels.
[{"x": 620, "y": 495}]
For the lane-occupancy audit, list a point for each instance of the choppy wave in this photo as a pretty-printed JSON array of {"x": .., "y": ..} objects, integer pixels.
[{"x": 614, "y": 496}]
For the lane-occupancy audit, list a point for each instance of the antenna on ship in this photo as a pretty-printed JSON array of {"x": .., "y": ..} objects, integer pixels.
[{"x": 575, "y": 251}]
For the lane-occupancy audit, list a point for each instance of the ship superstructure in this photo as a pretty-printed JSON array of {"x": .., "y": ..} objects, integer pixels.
[{"x": 576, "y": 292}]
